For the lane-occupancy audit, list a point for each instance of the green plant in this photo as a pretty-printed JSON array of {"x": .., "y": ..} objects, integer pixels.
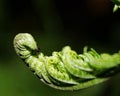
[
  {"x": 66, "y": 70},
  {"x": 117, "y": 5}
]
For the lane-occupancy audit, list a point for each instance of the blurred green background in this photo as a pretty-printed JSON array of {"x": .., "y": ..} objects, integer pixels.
[{"x": 55, "y": 24}]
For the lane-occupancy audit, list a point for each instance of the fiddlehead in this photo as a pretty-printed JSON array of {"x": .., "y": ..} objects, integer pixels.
[
  {"x": 67, "y": 70},
  {"x": 25, "y": 45}
]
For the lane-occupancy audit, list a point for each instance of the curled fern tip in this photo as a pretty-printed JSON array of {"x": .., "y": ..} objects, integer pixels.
[{"x": 66, "y": 69}]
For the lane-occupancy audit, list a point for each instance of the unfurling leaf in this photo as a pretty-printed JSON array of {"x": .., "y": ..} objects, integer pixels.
[{"x": 67, "y": 70}]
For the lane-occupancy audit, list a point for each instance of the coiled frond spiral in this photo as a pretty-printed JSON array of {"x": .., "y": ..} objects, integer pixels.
[{"x": 66, "y": 70}]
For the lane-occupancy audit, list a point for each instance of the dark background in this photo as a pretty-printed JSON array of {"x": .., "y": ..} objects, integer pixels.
[{"x": 55, "y": 24}]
